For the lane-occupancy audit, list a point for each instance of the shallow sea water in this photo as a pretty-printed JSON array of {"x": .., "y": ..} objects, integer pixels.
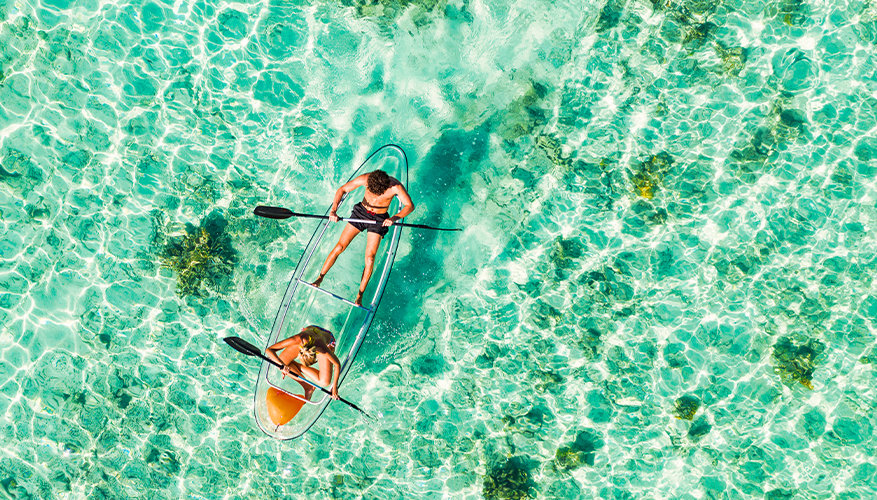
[{"x": 669, "y": 211}]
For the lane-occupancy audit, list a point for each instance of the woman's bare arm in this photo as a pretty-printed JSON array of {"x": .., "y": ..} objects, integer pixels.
[
  {"x": 334, "y": 360},
  {"x": 271, "y": 352}
]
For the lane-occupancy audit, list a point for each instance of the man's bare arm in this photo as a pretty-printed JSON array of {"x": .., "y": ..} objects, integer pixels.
[
  {"x": 407, "y": 204},
  {"x": 346, "y": 188}
]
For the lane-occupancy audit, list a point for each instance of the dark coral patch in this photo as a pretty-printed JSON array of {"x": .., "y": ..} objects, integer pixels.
[
  {"x": 686, "y": 407},
  {"x": 796, "y": 361},
  {"x": 580, "y": 452},
  {"x": 203, "y": 258},
  {"x": 510, "y": 481},
  {"x": 429, "y": 365}
]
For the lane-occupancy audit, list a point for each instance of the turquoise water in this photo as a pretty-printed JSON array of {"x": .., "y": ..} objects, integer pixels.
[{"x": 668, "y": 210}]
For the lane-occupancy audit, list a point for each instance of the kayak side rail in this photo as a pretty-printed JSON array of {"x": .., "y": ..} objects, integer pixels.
[{"x": 327, "y": 292}]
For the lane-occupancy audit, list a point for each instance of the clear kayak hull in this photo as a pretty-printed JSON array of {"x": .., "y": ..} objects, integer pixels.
[{"x": 280, "y": 411}]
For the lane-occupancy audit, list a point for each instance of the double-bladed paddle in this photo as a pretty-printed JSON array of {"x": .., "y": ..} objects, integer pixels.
[
  {"x": 249, "y": 349},
  {"x": 284, "y": 213}
]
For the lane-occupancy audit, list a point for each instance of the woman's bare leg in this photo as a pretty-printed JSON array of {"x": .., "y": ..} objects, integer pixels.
[
  {"x": 322, "y": 376},
  {"x": 308, "y": 388},
  {"x": 346, "y": 237}
]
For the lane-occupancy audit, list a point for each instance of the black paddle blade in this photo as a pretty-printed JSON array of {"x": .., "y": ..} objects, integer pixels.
[
  {"x": 243, "y": 346},
  {"x": 272, "y": 212}
]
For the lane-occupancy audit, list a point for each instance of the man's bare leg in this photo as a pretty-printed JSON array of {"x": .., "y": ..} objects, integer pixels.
[
  {"x": 371, "y": 248},
  {"x": 347, "y": 236}
]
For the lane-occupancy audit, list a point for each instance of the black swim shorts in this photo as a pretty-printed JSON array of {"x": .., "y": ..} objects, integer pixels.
[{"x": 360, "y": 212}]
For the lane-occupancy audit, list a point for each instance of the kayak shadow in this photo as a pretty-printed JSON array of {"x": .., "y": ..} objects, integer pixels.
[{"x": 438, "y": 184}]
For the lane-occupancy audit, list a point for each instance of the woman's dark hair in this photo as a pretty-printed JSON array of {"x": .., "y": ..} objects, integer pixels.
[{"x": 378, "y": 182}]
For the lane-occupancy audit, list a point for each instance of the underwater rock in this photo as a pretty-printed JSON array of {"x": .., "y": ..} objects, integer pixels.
[
  {"x": 733, "y": 59},
  {"x": 389, "y": 10},
  {"x": 424, "y": 453},
  {"x": 750, "y": 158},
  {"x": 610, "y": 16},
  {"x": 553, "y": 149},
  {"x": 649, "y": 174},
  {"x": 797, "y": 360},
  {"x": 674, "y": 355},
  {"x": 430, "y": 365},
  {"x": 781, "y": 126},
  {"x": 788, "y": 124},
  {"x": 529, "y": 423},
  {"x": 590, "y": 342},
  {"x": 567, "y": 457},
  {"x": 203, "y": 258},
  {"x": 780, "y": 494},
  {"x": 841, "y": 183},
  {"x": 18, "y": 171},
  {"x": 565, "y": 251},
  {"x": 511, "y": 481},
  {"x": 547, "y": 381},
  {"x": 866, "y": 149},
  {"x": 690, "y": 18},
  {"x": 643, "y": 186},
  {"x": 578, "y": 453},
  {"x": 524, "y": 114},
  {"x": 696, "y": 33},
  {"x": 489, "y": 356},
  {"x": 163, "y": 459},
  {"x": 701, "y": 427},
  {"x": 792, "y": 12},
  {"x": 543, "y": 314},
  {"x": 701, "y": 7},
  {"x": 685, "y": 407}
]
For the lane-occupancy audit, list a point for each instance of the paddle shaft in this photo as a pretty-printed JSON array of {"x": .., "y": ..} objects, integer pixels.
[
  {"x": 364, "y": 221},
  {"x": 284, "y": 213},
  {"x": 278, "y": 365}
]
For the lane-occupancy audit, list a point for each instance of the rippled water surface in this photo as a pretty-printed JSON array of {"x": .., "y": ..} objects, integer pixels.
[{"x": 664, "y": 287}]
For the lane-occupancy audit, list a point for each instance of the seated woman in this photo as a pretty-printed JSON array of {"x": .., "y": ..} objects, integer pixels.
[{"x": 312, "y": 344}]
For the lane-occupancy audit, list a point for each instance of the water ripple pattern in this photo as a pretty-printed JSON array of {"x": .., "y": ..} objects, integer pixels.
[{"x": 664, "y": 287}]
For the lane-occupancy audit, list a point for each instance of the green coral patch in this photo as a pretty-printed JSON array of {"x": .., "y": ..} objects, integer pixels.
[
  {"x": 796, "y": 361},
  {"x": 579, "y": 452},
  {"x": 686, "y": 407},
  {"x": 203, "y": 258},
  {"x": 510, "y": 481},
  {"x": 648, "y": 175},
  {"x": 733, "y": 59}
]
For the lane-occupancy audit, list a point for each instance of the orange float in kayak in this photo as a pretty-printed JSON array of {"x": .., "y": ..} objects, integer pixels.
[{"x": 282, "y": 407}]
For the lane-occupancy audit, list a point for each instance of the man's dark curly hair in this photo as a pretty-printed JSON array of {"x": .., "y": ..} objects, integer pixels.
[{"x": 378, "y": 182}]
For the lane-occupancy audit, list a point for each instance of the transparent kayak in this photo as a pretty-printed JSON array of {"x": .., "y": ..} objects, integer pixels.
[{"x": 330, "y": 306}]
